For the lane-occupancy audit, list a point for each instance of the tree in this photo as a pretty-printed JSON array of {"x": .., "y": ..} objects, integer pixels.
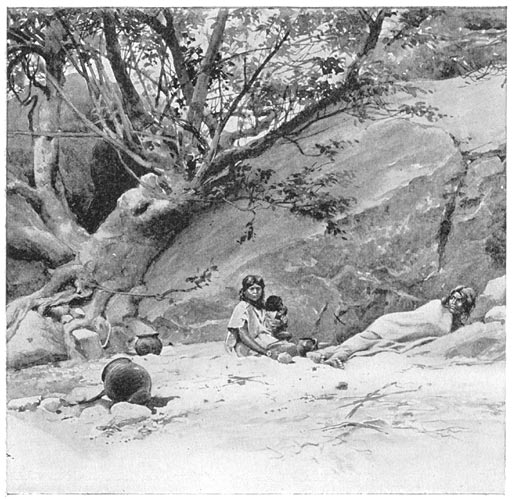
[{"x": 164, "y": 84}]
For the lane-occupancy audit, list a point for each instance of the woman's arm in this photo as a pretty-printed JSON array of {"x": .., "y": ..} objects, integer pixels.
[{"x": 247, "y": 340}]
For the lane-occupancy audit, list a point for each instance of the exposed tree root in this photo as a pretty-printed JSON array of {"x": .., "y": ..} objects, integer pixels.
[{"x": 48, "y": 295}]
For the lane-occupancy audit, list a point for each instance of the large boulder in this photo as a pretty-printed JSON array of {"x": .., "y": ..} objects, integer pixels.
[
  {"x": 38, "y": 340},
  {"x": 424, "y": 220},
  {"x": 494, "y": 295},
  {"x": 475, "y": 341},
  {"x": 474, "y": 110}
]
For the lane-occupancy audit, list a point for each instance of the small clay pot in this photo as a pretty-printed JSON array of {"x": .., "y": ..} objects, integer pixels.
[
  {"x": 306, "y": 345},
  {"x": 148, "y": 343}
]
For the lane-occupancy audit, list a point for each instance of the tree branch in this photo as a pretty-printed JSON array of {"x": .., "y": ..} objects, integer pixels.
[
  {"x": 23, "y": 189},
  {"x": 168, "y": 34},
  {"x": 131, "y": 100},
  {"x": 247, "y": 86},
  {"x": 100, "y": 133},
  {"x": 375, "y": 26}
]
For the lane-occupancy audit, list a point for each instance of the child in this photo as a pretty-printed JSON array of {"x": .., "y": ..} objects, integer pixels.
[{"x": 276, "y": 318}]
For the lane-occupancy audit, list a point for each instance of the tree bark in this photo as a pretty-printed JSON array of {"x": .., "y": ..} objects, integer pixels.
[
  {"x": 112, "y": 260},
  {"x": 195, "y": 114},
  {"x": 54, "y": 209},
  {"x": 28, "y": 237},
  {"x": 132, "y": 102},
  {"x": 203, "y": 171},
  {"x": 18, "y": 309}
]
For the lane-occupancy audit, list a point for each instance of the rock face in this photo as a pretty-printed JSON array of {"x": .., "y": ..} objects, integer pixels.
[
  {"x": 428, "y": 216},
  {"x": 494, "y": 295},
  {"x": 477, "y": 341},
  {"x": 496, "y": 314},
  {"x": 39, "y": 340}
]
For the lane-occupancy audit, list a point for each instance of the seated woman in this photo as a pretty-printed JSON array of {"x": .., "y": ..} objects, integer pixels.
[
  {"x": 402, "y": 331},
  {"x": 247, "y": 332}
]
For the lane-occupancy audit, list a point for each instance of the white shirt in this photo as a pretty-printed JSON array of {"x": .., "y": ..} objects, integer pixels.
[{"x": 252, "y": 319}]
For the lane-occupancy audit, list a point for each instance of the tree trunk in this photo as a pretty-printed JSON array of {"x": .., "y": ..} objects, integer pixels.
[
  {"x": 375, "y": 28},
  {"x": 54, "y": 210},
  {"x": 132, "y": 102},
  {"x": 28, "y": 238},
  {"x": 196, "y": 110},
  {"x": 112, "y": 260}
]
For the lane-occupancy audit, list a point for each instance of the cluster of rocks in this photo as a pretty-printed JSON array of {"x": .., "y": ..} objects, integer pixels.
[
  {"x": 100, "y": 418},
  {"x": 41, "y": 339}
]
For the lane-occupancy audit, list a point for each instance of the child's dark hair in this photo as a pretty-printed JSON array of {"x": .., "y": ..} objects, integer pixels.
[
  {"x": 274, "y": 303},
  {"x": 247, "y": 282}
]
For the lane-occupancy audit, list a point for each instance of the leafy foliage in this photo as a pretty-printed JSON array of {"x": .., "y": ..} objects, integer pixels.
[
  {"x": 272, "y": 65},
  {"x": 422, "y": 110},
  {"x": 308, "y": 192},
  {"x": 203, "y": 278}
]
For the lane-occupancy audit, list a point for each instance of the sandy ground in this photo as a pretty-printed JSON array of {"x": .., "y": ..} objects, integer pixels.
[{"x": 256, "y": 426}]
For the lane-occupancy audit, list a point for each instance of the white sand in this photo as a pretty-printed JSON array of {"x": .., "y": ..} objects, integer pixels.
[{"x": 268, "y": 434}]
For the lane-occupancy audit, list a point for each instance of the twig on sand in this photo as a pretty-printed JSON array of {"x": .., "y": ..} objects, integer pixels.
[
  {"x": 280, "y": 454},
  {"x": 375, "y": 395},
  {"x": 373, "y": 424},
  {"x": 241, "y": 380},
  {"x": 306, "y": 444},
  {"x": 444, "y": 432}
]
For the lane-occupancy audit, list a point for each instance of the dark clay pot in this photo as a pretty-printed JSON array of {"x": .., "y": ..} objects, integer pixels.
[
  {"x": 123, "y": 380},
  {"x": 306, "y": 345},
  {"x": 148, "y": 344}
]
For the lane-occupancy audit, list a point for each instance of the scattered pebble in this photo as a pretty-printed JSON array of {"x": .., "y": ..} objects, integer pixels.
[
  {"x": 82, "y": 393},
  {"x": 342, "y": 385},
  {"x": 66, "y": 318},
  {"x": 125, "y": 413},
  {"x": 24, "y": 404},
  {"x": 50, "y": 404},
  {"x": 284, "y": 358}
]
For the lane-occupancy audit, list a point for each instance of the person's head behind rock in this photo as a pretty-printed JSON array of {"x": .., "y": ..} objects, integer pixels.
[{"x": 460, "y": 302}]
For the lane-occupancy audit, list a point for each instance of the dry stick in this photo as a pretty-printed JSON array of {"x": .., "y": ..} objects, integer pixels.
[
  {"x": 113, "y": 142},
  {"x": 356, "y": 424},
  {"x": 157, "y": 296},
  {"x": 368, "y": 397},
  {"x": 359, "y": 403},
  {"x": 51, "y": 134}
]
